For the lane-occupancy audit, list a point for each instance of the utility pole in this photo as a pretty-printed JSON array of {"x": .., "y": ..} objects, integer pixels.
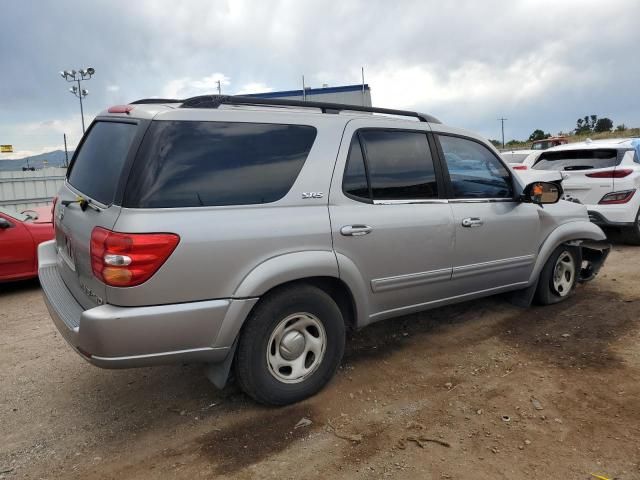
[
  {"x": 363, "y": 95},
  {"x": 502, "y": 120},
  {"x": 78, "y": 91}
]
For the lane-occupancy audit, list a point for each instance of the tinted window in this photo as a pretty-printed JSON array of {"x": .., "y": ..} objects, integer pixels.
[
  {"x": 354, "y": 181},
  {"x": 190, "y": 164},
  {"x": 474, "y": 170},
  {"x": 98, "y": 164},
  {"x": 578, "y": 159},
  {"x": 400, "y": 165}
]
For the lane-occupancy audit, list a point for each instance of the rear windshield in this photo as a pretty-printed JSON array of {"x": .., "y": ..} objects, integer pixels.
[
  {"x": 191, "y": 164},
  {"x": 578, "y": 159},
  {"x": 97, "y": 166}
]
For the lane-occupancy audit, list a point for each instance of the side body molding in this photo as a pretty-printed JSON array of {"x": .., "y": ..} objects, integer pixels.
[{"x": 576, "y": 230}]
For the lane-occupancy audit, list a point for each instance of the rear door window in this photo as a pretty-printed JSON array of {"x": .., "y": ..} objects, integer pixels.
[
  {"x": 396, "y": 165},
  {"x": 191, "y": 164},
  {"x": 578, "y": 159},
  {"x": 97, "y": 167}
]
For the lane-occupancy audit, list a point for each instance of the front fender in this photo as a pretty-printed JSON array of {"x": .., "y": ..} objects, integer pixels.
[{"x": 570, "y": 231}]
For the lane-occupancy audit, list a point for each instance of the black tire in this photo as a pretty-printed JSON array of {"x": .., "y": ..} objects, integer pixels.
[
  {"x": 546, "y": 292},
  {"x": 631, "y": 235},
  {"x": 255, "y": 375}
]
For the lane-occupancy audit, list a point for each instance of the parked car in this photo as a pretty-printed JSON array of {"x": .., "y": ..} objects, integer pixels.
[
  {"x": 20, "y": 234},
  {"x": 604, "y": 175},
  {"x": 251, "y": 233},
  {"x": 548, "y": 143}
]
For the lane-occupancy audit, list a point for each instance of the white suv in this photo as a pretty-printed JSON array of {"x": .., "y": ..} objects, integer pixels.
[{"x": 604, "y": 175}]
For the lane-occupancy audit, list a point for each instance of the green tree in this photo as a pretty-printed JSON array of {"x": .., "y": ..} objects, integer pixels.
[
  {"x": 538, "y": 135},
  {"x": 603, "y": 125}
]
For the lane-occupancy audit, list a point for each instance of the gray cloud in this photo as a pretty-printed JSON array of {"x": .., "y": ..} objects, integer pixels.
[{"x": 539, "y": 63}]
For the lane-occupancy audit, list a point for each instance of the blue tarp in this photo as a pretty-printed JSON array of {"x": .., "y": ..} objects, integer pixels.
[{"x": 636, "y": 144}]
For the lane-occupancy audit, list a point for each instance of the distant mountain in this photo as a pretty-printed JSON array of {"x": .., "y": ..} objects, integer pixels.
[{"x": 49, "y": 159}]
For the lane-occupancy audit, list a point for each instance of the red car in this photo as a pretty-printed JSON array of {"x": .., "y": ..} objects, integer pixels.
[{"x": 20, "y": 235}]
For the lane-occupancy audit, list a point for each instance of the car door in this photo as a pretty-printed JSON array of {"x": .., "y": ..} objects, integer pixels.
[
  {"x": 391, "y": 227},
  {"x": 16, "y": 249},
  {"x": 496, "y": 236}
]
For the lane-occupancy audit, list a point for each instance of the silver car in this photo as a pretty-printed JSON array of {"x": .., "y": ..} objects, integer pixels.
[{"x": 250, "y": 234}]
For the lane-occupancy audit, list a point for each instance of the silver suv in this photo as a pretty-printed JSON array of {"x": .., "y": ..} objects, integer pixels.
[{"x": 250, "y": 234}]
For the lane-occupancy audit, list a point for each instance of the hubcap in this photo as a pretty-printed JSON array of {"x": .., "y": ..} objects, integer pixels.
[
  {"x": 296, "y": 347},
  {"x": 563, "y": 274}
]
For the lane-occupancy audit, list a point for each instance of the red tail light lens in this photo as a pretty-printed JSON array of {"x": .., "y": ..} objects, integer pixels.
[
  {"x": 617, "y": 197},
  {"x": 520, "y": 167},
  {"x": 129, "y": 259},
  {"x": 615, "y": 173}
]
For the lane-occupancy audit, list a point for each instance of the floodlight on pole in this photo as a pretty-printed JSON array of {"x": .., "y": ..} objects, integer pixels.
[{"x": 78, "y": 91}]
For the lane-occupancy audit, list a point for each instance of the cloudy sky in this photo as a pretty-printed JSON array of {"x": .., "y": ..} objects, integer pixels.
[{"x": 541, "y": 64}]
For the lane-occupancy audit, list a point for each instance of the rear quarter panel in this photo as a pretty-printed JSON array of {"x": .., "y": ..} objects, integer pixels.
[{"x": 221, "y": 246}]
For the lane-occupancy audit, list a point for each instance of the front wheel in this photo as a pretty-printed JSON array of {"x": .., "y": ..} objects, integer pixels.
[
  {"x": 290, "y": 346},
  {"x": 559, "y": 275}
]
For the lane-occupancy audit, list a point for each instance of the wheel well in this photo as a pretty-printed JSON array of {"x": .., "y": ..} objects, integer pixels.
[{"x": 335, "y": 288}]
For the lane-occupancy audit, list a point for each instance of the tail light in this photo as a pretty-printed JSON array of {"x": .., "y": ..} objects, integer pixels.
[
  {"x": 129, "y": 259},
  {"x": 519, "y": 167},
  {"x": 614, "y": 173},
  {"x": 617, "y": 197}
]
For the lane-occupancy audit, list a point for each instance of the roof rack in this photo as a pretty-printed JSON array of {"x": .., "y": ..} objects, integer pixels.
[
  {"x": 147, "y": 101},
  {"x": 214, "y": 101}
]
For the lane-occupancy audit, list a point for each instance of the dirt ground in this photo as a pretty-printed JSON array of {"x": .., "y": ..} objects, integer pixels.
[{"x": 492, "y": 390}]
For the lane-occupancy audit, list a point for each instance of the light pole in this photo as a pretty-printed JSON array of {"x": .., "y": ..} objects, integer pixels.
[{"x": 78, "y": 91}]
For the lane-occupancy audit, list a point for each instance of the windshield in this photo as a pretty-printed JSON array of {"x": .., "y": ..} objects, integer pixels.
[
  {"x": 14, "y": 214},
  {"x": 97, "y": 166},
  {"x": 568, "y": 160}
]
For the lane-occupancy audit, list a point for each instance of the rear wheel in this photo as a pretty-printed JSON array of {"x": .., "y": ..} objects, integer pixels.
[
  {"x": 559, "y": 275},
  {"x": 631, "y": 235},
  {"x": 291, "y": 345}
]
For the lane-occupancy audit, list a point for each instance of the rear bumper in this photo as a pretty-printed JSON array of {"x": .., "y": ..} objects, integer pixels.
[{"x": 120, "y": 337}]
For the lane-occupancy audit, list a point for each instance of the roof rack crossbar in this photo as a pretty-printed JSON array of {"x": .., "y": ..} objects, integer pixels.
[
  {"x": 148, "y": 101},
  {"x": 214, "y": 101}
]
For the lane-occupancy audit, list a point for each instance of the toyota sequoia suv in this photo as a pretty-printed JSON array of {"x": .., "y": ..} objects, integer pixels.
[{"x": 250, "y": 234}]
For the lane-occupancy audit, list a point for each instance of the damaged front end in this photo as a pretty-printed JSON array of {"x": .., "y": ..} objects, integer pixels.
[{"x": 594, "y": 254}]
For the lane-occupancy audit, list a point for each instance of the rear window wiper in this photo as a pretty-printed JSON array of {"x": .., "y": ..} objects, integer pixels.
[
  {"x": 83, "y": 202},
  {"x": 578, "y": 167}
]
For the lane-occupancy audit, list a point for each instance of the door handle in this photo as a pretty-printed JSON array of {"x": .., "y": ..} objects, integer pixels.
[
  {"x": 355, "y": 230},
  {"x": 472, "y": 222}
]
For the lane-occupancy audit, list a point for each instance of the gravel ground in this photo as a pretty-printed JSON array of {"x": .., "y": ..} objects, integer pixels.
[{"x": 480, "y": 390}]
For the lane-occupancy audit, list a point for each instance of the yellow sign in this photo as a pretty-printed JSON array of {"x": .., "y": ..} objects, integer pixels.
[{"x": 6, "y": 148}]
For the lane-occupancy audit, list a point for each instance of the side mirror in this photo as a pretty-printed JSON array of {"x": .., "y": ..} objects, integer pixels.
[
  {"x": 541, "y": 193},
  {"x": 4, "y": 224}
]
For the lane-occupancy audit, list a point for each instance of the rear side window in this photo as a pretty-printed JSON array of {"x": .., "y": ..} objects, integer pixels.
[
  {"x": 398, "y": 164},
  {"x": 578, "y": 159},
  {"x": 474, "y": 170},
  {"x": 191, "y": 164},
  {"x": 98, "y": 164}
]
